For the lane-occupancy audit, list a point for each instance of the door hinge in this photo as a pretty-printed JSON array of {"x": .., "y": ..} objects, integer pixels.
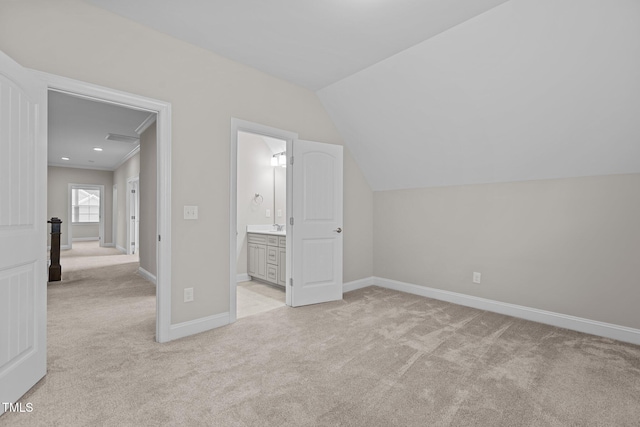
[
  {"x": 133, "y": 217},
  {"x": 133, "y": 243},
  {"x": 291, "y": 161},
  {"x": 133, "y": 191},
  {"x": 291, "y": 282},
  {"x": 159, "y": 238},
  {"x": 291, "y": 221}
]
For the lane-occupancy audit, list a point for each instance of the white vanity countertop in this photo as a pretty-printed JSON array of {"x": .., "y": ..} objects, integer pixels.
[{"x": 265, "y": 229}]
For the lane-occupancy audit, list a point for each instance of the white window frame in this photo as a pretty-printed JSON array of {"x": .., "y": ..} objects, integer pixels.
[
  {"x": 70, "y": 208},
  {"x": 73, "y": 206}
]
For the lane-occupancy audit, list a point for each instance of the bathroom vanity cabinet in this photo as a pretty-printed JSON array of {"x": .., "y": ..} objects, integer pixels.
[{"x": 266, "y": 257}]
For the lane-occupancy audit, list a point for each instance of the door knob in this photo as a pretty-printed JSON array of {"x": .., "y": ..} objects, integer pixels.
[{"x": 338, "y": 230}]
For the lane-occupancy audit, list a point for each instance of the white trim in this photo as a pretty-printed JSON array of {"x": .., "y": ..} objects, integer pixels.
[
  {"x": 242, "y": 278},
  {"x": 85, "y": 239},
  {"x": 594, "y": 327},
  {"x": 109, "y": 245},
  {"x": 163, "y": 120},
  {"x": 114, "y": 214},
  {"x": 131, "y": 153},
  {"x": 196, "y": 326},
  {"x": 148, "y": 276},
  {"x": 146, "y": 123},
  {"x": 121, "y": 249},
  {"x": 64, "y": 165},
  {"x": 63, "y": 247},
  {"x": 358, "y": 284},
  {"x": 246, "y": 126}
]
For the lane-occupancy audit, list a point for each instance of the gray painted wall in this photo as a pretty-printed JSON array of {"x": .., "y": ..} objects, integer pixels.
[
  {"x": 148, "y": 200},
  {"x": 567, "y": 245},
  {"x": 77, "y": 40}
]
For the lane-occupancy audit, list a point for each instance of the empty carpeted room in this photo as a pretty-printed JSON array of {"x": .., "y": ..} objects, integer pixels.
[{"x": 455, "y": 236}]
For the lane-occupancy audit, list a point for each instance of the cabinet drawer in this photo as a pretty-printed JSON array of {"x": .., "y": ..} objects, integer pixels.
[
  {"x": 272, "y": 255},
  {"x": 257, "y": 238},
  {"x": 272, "y": 273},
  {"x": 272, "y": 240},
  {"x": 282, "y": 241}
]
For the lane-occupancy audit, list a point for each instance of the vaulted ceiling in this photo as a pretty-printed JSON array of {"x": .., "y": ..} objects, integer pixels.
[{"x": 443, "y": 92}]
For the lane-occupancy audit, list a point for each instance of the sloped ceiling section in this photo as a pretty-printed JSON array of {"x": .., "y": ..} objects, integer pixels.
[
  {"x": 310, "y": 43},
  {"x": 532, "y": 89}
]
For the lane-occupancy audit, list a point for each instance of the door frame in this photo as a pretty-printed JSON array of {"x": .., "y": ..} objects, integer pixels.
[
  {"x": 251, "y": 127},
  {"x": 130, "y": 186},
  {"x": 70, "y": 213},
  {"x": 163, "y": 208}
]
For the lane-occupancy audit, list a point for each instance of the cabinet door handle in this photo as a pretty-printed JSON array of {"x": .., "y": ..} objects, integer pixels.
[{"x": 338, "y": 230}]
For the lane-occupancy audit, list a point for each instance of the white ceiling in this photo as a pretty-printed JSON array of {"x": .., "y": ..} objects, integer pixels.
[
  {"x": 443, "y": 92},
  {"x": 310, "y": 43},
  {"x": 77, "y": 126}
]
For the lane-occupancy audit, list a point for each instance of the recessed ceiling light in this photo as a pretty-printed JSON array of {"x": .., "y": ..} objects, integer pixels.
[
  {"x": 97, "y": 149},
  {"x": 65, "y": 158}
]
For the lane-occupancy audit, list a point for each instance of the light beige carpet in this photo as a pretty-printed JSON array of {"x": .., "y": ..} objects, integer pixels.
[{"x": 378, "y": 358}]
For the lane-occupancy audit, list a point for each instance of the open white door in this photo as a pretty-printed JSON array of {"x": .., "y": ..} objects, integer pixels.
[
  {"x": 316, "y": 233},
  {"x": 23, "y": 228}
]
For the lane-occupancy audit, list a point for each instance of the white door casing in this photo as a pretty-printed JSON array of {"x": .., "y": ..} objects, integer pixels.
[
  {"x": 316, "y": 234},
  {"x": 23, "y": 228}
]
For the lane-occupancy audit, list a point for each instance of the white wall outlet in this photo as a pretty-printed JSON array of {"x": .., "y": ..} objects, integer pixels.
[
  {"x": 188, "y": 294},
  {"x": 268, "y": 213},
  {"x": 190, "y": 212},
  {"x": 279, "y": 213},
  {"x": 476, "y": 277}
]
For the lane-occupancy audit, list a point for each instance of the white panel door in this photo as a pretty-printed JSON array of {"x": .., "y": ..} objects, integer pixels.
[
  {"x": 23, "y": 228},
  {"x": 317, "y": 228}
]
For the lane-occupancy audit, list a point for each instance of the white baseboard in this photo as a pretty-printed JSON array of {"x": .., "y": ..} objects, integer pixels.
[
  {"x": 109, "y": 245},
  {"x": 594, "y": 327},
  {"x": 121, "y": 249},
  {"x": 148, "y": 276},
  {"x": 184, "y": 329},
  {"x": 84, "y": 239},
  {"x": 242, "y": 278},
  {"x": 358, "y": 284},
  {"x": 63, "y": 247}
]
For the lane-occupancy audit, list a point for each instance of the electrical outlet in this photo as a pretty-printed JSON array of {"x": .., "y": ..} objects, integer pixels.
[
  {"x": 190, "y": 212},
  {"x": 268, "y": 213},
  {"x": 279, "y": 213},
  {"x": 476, "y": 277},
  {"x": 188, "y": 294}
]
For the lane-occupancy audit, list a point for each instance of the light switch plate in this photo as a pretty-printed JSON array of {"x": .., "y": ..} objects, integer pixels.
[
  {"x": 190, "y": 212},
  {"x": 476, "y": 277}
]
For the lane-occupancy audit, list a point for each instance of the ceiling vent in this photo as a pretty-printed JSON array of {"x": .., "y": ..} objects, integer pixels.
[{"x": 121, "y": 138}]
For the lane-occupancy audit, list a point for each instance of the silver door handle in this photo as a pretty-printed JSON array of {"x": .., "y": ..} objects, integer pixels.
[{"x": 338, "y": 230}]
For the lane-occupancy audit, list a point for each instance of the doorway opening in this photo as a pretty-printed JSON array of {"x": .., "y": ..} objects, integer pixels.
[
  {"x": 261, "y": 223},
  {"x": 158, "y": 115},
  {"x": 260, "y": 265}
]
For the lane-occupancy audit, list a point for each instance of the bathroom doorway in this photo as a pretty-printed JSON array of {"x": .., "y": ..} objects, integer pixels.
[
  {"x": 263, "y": 187},
  {"x": 261, "y": 218}
]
